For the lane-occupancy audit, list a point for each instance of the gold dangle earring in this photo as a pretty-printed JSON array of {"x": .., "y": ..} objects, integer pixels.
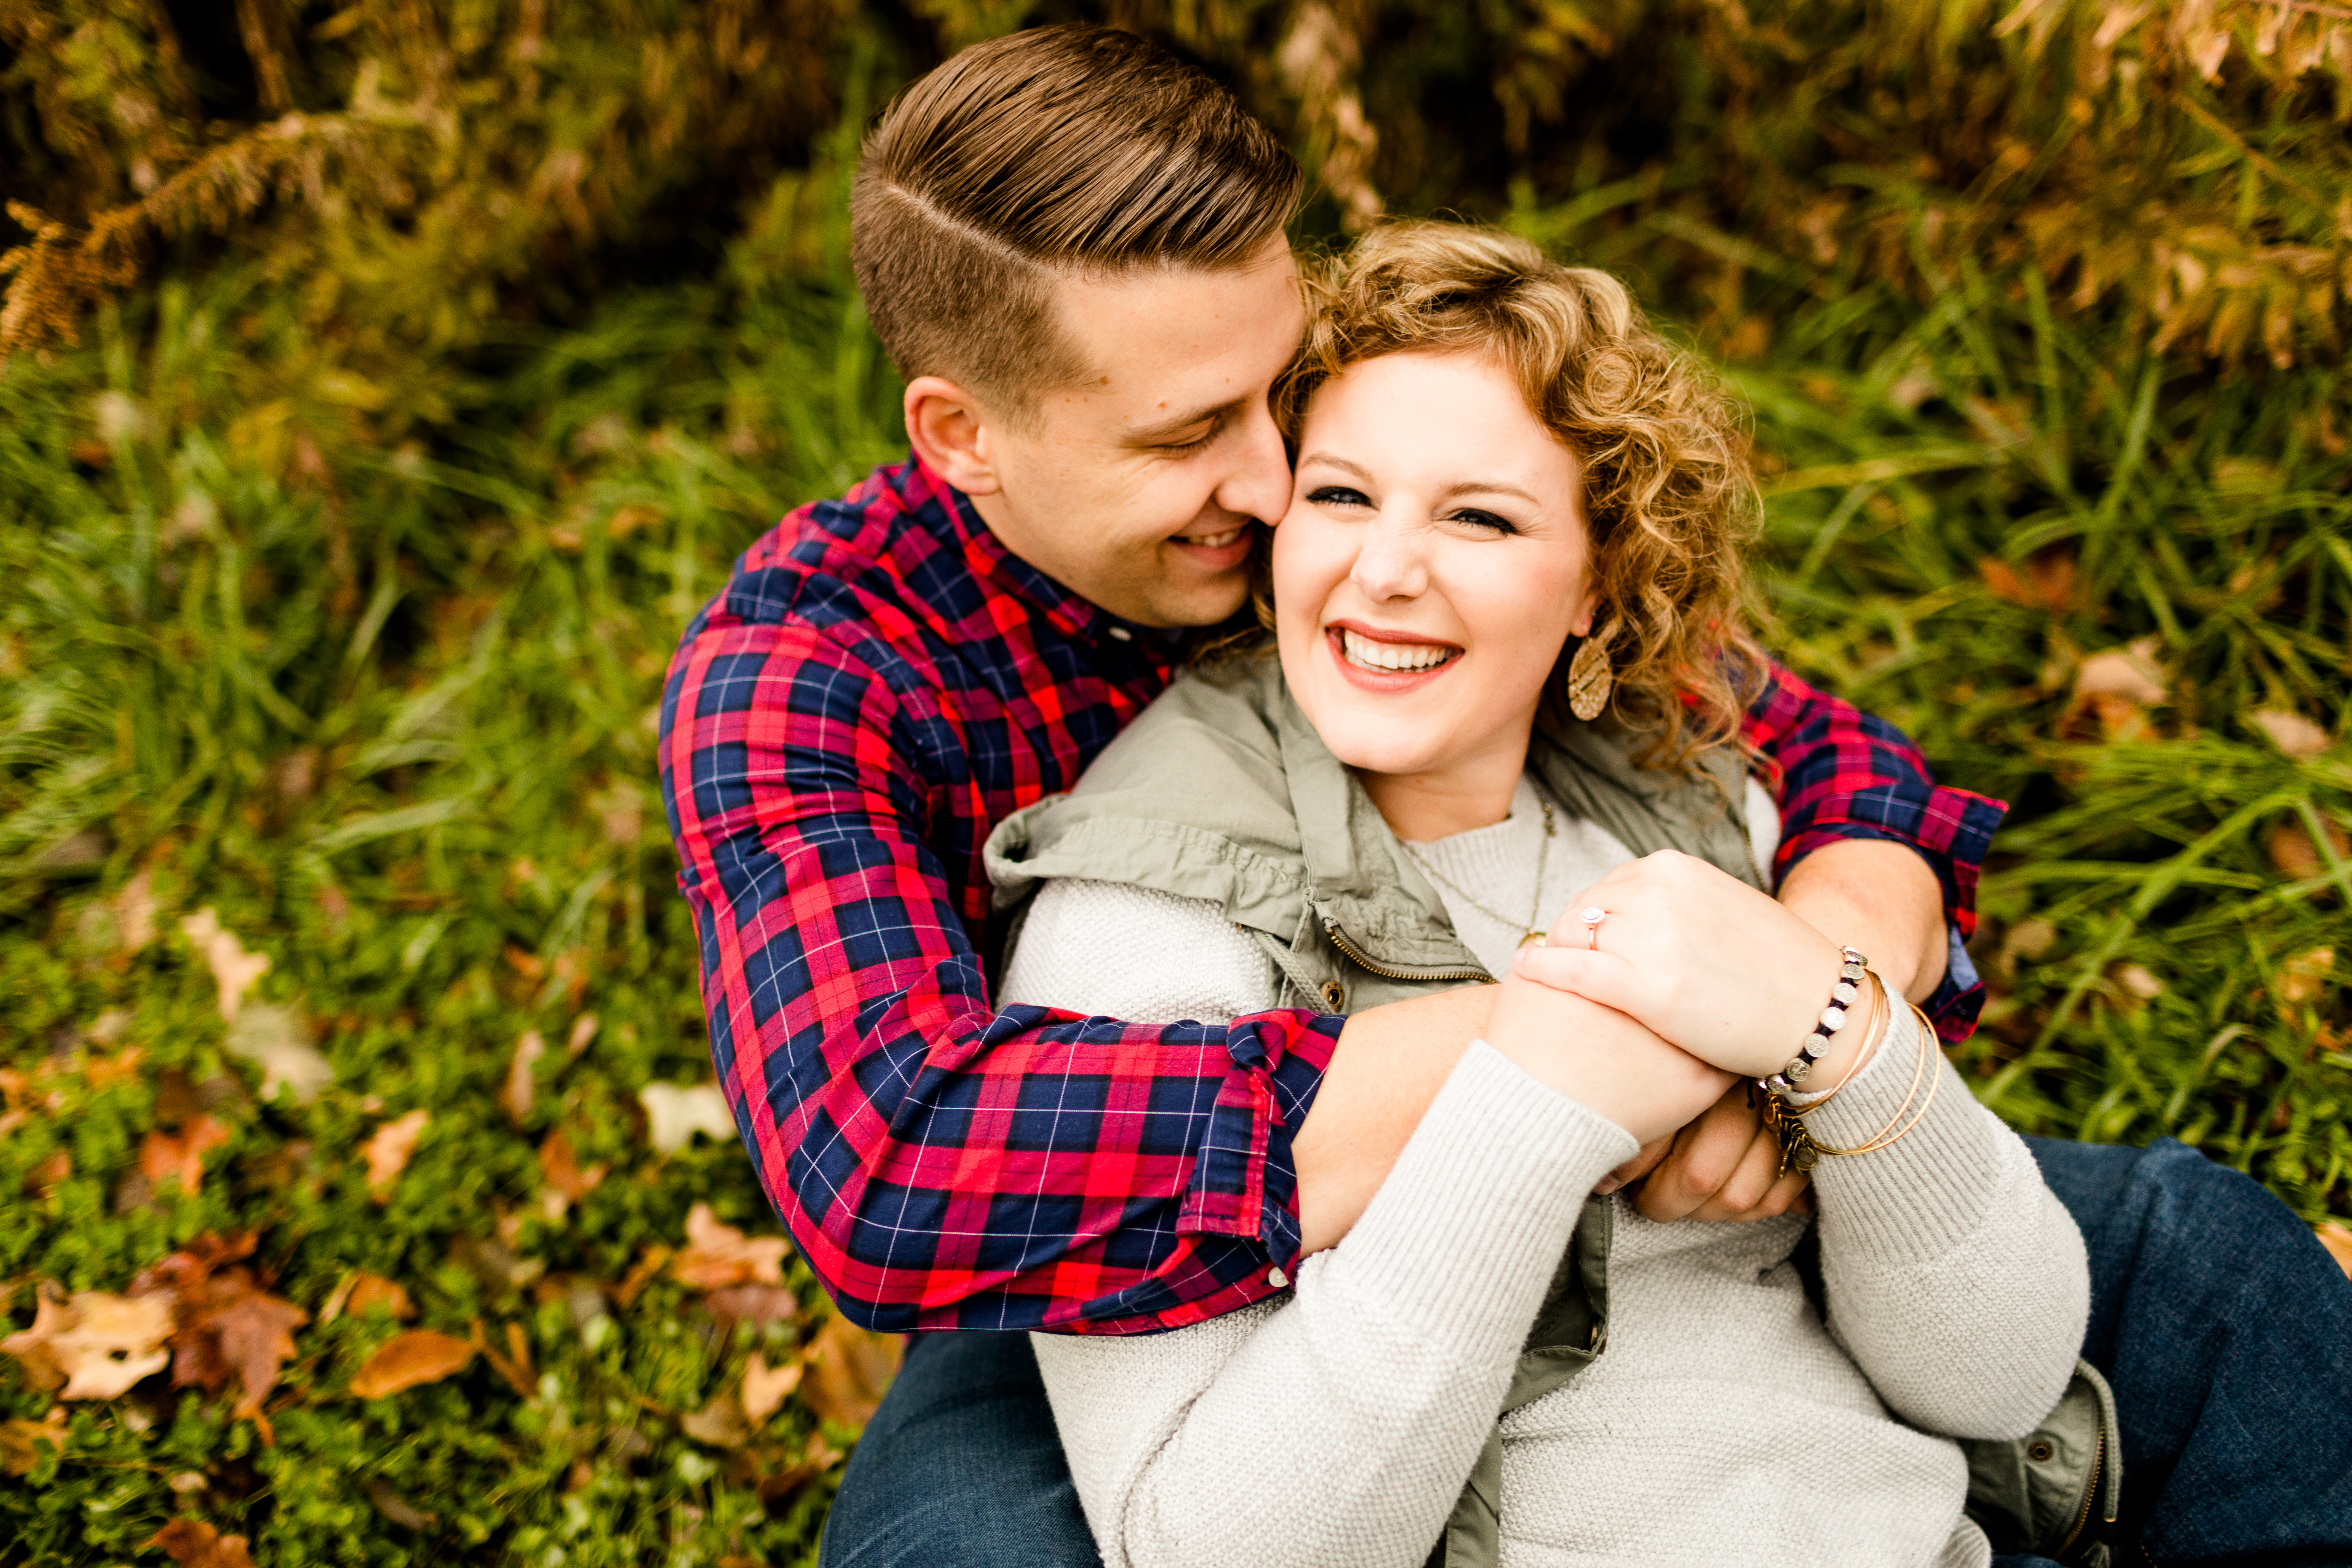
[{"x": 1590, "y": 679}]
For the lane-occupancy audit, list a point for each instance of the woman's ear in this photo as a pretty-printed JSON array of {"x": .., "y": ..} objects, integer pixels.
[
  {"x": 951, "y": 431},
  {"x": 1580, "y": 624}
]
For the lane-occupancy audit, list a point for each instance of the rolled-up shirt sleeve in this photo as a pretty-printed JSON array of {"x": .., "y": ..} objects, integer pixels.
[
  {"x": 939, "y": 1163},
  {"x": 1844, "y": 774}
]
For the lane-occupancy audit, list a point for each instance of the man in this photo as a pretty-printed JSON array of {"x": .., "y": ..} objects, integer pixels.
[{"x": 1072, "y": 246}]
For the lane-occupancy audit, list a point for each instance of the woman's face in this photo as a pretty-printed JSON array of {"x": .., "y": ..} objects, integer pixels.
[{"x": 1433, "y": 563}]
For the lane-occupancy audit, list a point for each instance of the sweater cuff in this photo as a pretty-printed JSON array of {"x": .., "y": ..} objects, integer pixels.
[
  {"x": 1463, "y": 1235},
  {"x": 1920, "y": 1195}
]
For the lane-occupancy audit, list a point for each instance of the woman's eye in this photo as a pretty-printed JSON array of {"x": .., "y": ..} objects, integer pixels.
[
  {"x": 1337, "y": 495},
  {"x": 1477, "y": 519}
]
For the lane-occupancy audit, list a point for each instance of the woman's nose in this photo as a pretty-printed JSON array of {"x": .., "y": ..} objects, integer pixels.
[{"x": 1391, "y": 563}]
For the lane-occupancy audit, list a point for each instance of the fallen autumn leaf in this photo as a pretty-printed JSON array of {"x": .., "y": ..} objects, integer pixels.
[
  {"x": 675, "y": 1114},
  {"x": 848, "y": 1371},
  {"x": 410, "y": 1360},
  {"x": 718, "y": 1254},
  {"x": 234, "y": 969},
  {"x": 92, "y": 1345},
  {"x": 765, "y": 1389},
  {"x": 389, "y": 1149}
]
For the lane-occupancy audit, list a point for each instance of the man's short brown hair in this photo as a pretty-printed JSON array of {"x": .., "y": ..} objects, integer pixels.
[{"x": 1073, "y": 149}]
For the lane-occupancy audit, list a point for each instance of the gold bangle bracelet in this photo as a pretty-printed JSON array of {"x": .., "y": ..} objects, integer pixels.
[{"x": 1890, "y": 1133}]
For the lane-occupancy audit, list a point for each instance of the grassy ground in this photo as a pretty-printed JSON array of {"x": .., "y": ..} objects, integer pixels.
[{"x": 391, "y": 719}]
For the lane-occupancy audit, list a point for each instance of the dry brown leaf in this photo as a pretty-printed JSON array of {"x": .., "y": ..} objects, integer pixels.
[
  {"x": 92, "y": 1345},
  {"x": 278, "y": 1040},
  {"x": 718, "y": 1254},
  {"x": 256, "y": 1335},
  {"x": 388, "y": 1150},
  {"x": 226, "y": 1326},
  {"x": 848, "y": 1371},
  {"x": 2293, "y": 852},
  {"x": 720, "y": 1424},
  {"x": 180, "y": 1155},
  {"x": 765, "y": 1390},
  {"x": 192, "y": 1543},
  {"x": 584, "y": 1030},
  {"x": 2046, "y": 583},
  {"x": 675, "y": 1114},
  {"x": 46, "y": 1177},
  {"x": 396, "y": 1508},
  {"x": 641, "y": 1273},
  {"x": 21, "y": 1442},
  {"x": 2303, "y": 977},
  {"x": 2293, "y": 733},
  {"x": 234, "y": 969},
  {"x": 562, "y": 1168},
  {"x": 522, "y": 1085},
  {"x": 2338, "y": 1240},
  {"x": 375, "y": 1290},
  {"x": 758, "y": 1305},
  {"x": 409, "y": 1360},
  {"x": 2129, "y": 674}
]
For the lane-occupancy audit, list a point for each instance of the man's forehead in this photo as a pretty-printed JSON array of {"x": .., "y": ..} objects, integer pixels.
[{"x": 1161, "y": 341}]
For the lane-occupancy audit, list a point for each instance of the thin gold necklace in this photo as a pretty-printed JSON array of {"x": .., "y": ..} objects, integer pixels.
[{"x": 1535, "y": 905}]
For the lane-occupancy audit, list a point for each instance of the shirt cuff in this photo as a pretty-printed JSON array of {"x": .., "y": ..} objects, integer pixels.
[{"x": 1244, "y": 1183}]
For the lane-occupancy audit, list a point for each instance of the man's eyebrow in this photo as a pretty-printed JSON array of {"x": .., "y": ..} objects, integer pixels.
[{"x": 1166, "y": 431}]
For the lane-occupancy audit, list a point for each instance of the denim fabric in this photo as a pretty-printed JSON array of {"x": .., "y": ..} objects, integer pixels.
[
  {"x": 2226, "y": 1330},
  {"x": 961, "y": 1467},
  {"x": 2224, "y": 1327}
]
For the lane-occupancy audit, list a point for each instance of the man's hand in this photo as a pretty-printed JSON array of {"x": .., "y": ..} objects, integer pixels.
[{"x": 1722, "y": 1166}]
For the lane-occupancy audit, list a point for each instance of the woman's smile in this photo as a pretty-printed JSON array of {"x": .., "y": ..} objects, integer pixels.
[{"x": 1375, "y": 659}]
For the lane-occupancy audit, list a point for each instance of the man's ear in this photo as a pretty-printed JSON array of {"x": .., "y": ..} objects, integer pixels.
[{"x": 951, "y": 430}]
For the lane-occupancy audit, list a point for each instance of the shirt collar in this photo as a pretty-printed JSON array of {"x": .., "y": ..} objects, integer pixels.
[{"x": 1074, "y": 615}]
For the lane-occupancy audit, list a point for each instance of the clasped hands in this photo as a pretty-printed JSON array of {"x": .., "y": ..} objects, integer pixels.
[{"x": 1697, "y": 983}]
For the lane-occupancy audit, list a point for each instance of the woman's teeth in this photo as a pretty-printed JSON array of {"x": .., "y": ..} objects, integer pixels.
[
  {"x": 1212, "y": 541},
  {"x": 1371, "y": 655}
]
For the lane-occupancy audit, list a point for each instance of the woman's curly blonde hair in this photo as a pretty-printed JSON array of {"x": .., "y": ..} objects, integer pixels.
[{"x": 1667, "y": 490}]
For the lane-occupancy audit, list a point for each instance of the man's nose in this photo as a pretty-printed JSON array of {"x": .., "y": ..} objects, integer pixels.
[{"x": 1258, "y": 483}]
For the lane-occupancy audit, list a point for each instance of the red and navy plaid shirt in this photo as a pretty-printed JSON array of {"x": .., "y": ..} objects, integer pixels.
[{"x": 881, "y": 683}]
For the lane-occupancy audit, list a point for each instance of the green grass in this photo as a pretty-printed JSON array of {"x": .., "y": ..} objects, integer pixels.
[{"x": 390, "y": 713}]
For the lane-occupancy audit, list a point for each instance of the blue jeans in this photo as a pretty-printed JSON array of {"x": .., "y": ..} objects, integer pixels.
[{"x": 2224, "y": 1327}]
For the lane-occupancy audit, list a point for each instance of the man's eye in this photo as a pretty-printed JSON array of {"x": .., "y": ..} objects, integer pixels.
[
  {"x": 1337, "y": 495},
  {"x": 1185, "y": 449}
]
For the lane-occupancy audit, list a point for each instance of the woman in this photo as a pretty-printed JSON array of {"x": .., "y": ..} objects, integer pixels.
[{"x": 1504, "y": 610}]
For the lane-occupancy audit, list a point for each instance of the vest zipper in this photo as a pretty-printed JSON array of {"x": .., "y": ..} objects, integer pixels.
[
  {"x": 1391, "y": 972},
  {"x": 2090, "y": 1492}
]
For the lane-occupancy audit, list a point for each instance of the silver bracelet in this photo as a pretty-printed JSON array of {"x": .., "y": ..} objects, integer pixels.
[{"x": 1833, "y": 1019}]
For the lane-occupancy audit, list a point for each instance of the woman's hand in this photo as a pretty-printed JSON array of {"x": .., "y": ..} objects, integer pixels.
[
  {"x": 1705, "y": 960},
  {"x": 1611, "y": 1063}
]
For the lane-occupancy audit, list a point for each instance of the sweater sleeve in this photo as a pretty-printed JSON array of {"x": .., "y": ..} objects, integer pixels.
[
  {"x": 1954, "y": 1277},
  {"x": 1338, "y": 1427}
]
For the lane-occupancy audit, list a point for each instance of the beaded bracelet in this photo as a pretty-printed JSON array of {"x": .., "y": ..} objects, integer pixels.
[{"x": 1833, "y": 1019}]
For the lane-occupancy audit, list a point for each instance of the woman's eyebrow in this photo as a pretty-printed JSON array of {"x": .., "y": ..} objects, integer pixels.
[
  {"x": 1488, "y": 487},
  {"x": 1329, "y": 461}
]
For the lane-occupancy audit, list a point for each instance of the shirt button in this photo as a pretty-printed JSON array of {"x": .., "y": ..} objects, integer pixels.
[
  {"x": 1122, "y": 634},
  {"x": 1276, "y": 1278}
]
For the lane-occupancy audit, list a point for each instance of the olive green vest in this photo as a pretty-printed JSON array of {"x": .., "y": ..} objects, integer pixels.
[{"x": 1221, "y": 790}]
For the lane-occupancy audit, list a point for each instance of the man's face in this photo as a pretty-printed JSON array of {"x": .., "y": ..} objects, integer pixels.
[{"x": 1137, "y": 487}]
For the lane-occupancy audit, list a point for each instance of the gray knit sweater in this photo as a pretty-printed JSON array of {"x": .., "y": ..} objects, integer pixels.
[{"x": 1724, "y": 1422}]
